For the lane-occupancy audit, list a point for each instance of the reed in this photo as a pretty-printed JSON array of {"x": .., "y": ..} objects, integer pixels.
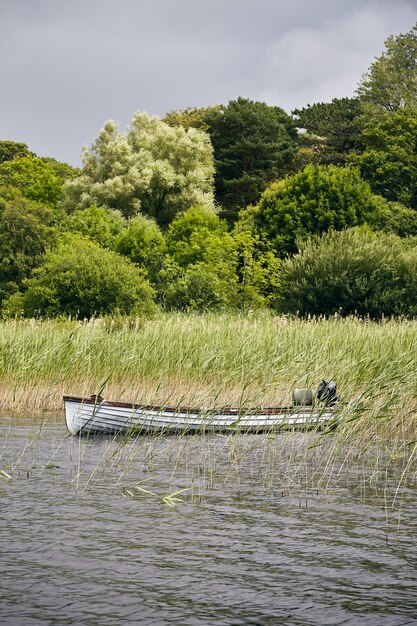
[{"x": 216, "y": 359}]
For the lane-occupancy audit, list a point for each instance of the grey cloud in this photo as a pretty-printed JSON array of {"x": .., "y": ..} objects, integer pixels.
[{"x": 68, "y": 66}]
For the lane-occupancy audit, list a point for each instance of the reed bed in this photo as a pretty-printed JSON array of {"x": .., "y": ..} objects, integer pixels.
[{"x": 218, "y": 359}]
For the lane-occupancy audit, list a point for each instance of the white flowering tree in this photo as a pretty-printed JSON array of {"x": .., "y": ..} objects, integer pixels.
[{"x": 153, "y": 169}]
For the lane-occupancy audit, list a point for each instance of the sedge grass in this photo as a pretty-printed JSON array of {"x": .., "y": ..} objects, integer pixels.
[{"x": 216, "y": 359}]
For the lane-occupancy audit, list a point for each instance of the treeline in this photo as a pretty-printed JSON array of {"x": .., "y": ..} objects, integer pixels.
[{"x": 231, "y": 206}]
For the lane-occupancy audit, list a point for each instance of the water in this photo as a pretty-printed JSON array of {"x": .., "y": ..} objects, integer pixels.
[{"x": 268, "y": 532}]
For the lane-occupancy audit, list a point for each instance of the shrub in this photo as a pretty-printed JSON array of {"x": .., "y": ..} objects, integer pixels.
[
  {"x": 143, "y": 243},
  {"x": 313, "y": 201},
  {"x": 348, "y": 272},
  {"x": 81, "y": 279},
  {"x": 99, "y": 224}
]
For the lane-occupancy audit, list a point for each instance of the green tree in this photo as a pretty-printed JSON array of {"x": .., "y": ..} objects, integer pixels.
[
  {"x": 197, "y": 287},
  {"x": 393, "y": 217},
  {"x": 198, "y": 235},
  {"x": 26, "y": 233},
  {"x": 354, "y": 271},
  {"x": 317, "y": 199},
  {"x": 34, "y": 177},
  {"x": 253, "y": 144},
  {"x": 9, "y": 150},
  {"x": 143, "y": 243},
  {"x": 333, "y": 129},
  {"x": 96, "y": 223},
  {"x": 192, "y": 117},
  {"x": 153, "y": 169},
  {"x": 257, "y": 266},
  {"x": 391, "y": 81},
  {"x": 199, "y": 270},
  {"x": 389, "y": 161},
  {"x": 81, "y": 279},
  {"x": 64, "y": 171}
]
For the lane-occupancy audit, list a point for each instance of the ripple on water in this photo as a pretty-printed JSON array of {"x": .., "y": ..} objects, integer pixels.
[{"x": 242, "y": 550}]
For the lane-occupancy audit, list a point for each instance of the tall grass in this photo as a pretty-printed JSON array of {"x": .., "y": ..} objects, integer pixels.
[{"x": 216, "y": 359}]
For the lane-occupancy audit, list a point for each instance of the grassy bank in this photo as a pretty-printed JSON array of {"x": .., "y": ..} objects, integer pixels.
[{"x": 214, "y": 360}]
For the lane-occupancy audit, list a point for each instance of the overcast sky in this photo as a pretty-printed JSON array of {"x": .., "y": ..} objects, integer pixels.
[{"x": 68, "y": 65}]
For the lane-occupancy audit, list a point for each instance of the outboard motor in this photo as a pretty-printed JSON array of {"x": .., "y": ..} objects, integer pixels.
[{"x": 327, "y": 392}]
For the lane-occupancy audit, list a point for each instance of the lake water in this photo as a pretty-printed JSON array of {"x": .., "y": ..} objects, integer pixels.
[{"x": 270, "y": 530}]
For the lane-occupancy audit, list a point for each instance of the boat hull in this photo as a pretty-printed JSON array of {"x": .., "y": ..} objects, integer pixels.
[{"x": 92, "y": 415}]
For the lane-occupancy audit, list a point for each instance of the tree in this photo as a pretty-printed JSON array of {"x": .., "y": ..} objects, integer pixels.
[
  {"x": 199, "y": 270},
  {"x": 9, "y": 150},
  {"x": 26, "y": 233},
  {"x": 351, "y": 272},
  {"x": 192, "y": 117},
  {"x": 96, "y": 223},
  {"x": 393, "y": 217},
  {"x": 253, "y": 144},
  {"x": 153, "y": 169},
  {"x": 143, "y": 243},
  {"x": 391, "y": 81},
  {"x": 333, "y": 129},
  {"x": 315, "y": 200},
  {"x": 198, "y": 235},
  {"x": 34, "y": 177},
  {"x": 257, "y": 266},
  {"x": 389, "y": 161},
  {"x": 81, "y": 279}
]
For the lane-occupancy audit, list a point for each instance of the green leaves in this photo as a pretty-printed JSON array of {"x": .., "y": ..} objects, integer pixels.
[
  {"x": 154, "y": 168},
  {"x": 253, "y": 144},
  {"x": 333, "y": 129},
  {"x": 391, "y": 80},
  {"x": 37, "y": 179},
  {"x": 351, "y": 272},
  {"x": 312, "y": 202},
  {"x": 81, "y": 279},
  {"x": 389, "y": 161}
]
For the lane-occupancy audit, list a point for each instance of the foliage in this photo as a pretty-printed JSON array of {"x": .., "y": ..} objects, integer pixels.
[
  {"x": 81, "y": 279},
  {"x": 393, "y": 217},
  {"x": 256, "y": 264},
  {"x": 96, "y": 223},
  {"x": 196, "y": 287},
  {"x": 198, "y": 235},
  {"x": 391, "y": 81},
  {"x": 351, "y": 272},
  {"x": 26, "y": 232},
  {"x": 314, "y": 200},
  {"x": 143, "y": 243},
  {"x": 34, "y": 177},
  {"x": 253, "y": 144},
  {"x": 153, "y": 168},
  {"x": 9, "y": 150},
  {"x": 199, "y": 271},
  {"x": 333, "y": 129},
  {"x": 64, "y": 171},
  {"x": 389, "y": 161},
  {"x": 192, "y": 117}
]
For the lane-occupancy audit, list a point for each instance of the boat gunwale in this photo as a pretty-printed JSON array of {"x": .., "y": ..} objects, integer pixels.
[{"x": 234, "y": 411}]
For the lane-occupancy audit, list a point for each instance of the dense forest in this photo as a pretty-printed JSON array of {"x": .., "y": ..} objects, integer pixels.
[{"x": 237, "y": 206}]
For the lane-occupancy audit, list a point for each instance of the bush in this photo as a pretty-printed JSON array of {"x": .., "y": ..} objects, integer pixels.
[
  {"x": 199, "y": 271},
  {"x": 313, "y": 201},
  {"x": 351, "y": 272},
  {"x": 81, "y": 279},
  {"x": 99, "y": 224},
  {"x": 143, "y": 243}
]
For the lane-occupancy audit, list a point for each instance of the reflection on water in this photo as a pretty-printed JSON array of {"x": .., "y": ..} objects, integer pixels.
[{"x": 270, "y": 531}]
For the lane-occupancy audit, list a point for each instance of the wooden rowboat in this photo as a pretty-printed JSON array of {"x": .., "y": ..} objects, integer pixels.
[{"x": 96, "y": 415}]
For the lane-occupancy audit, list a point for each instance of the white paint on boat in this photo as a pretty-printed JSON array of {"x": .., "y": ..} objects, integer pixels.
[{"x": 92, "y": 415}]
